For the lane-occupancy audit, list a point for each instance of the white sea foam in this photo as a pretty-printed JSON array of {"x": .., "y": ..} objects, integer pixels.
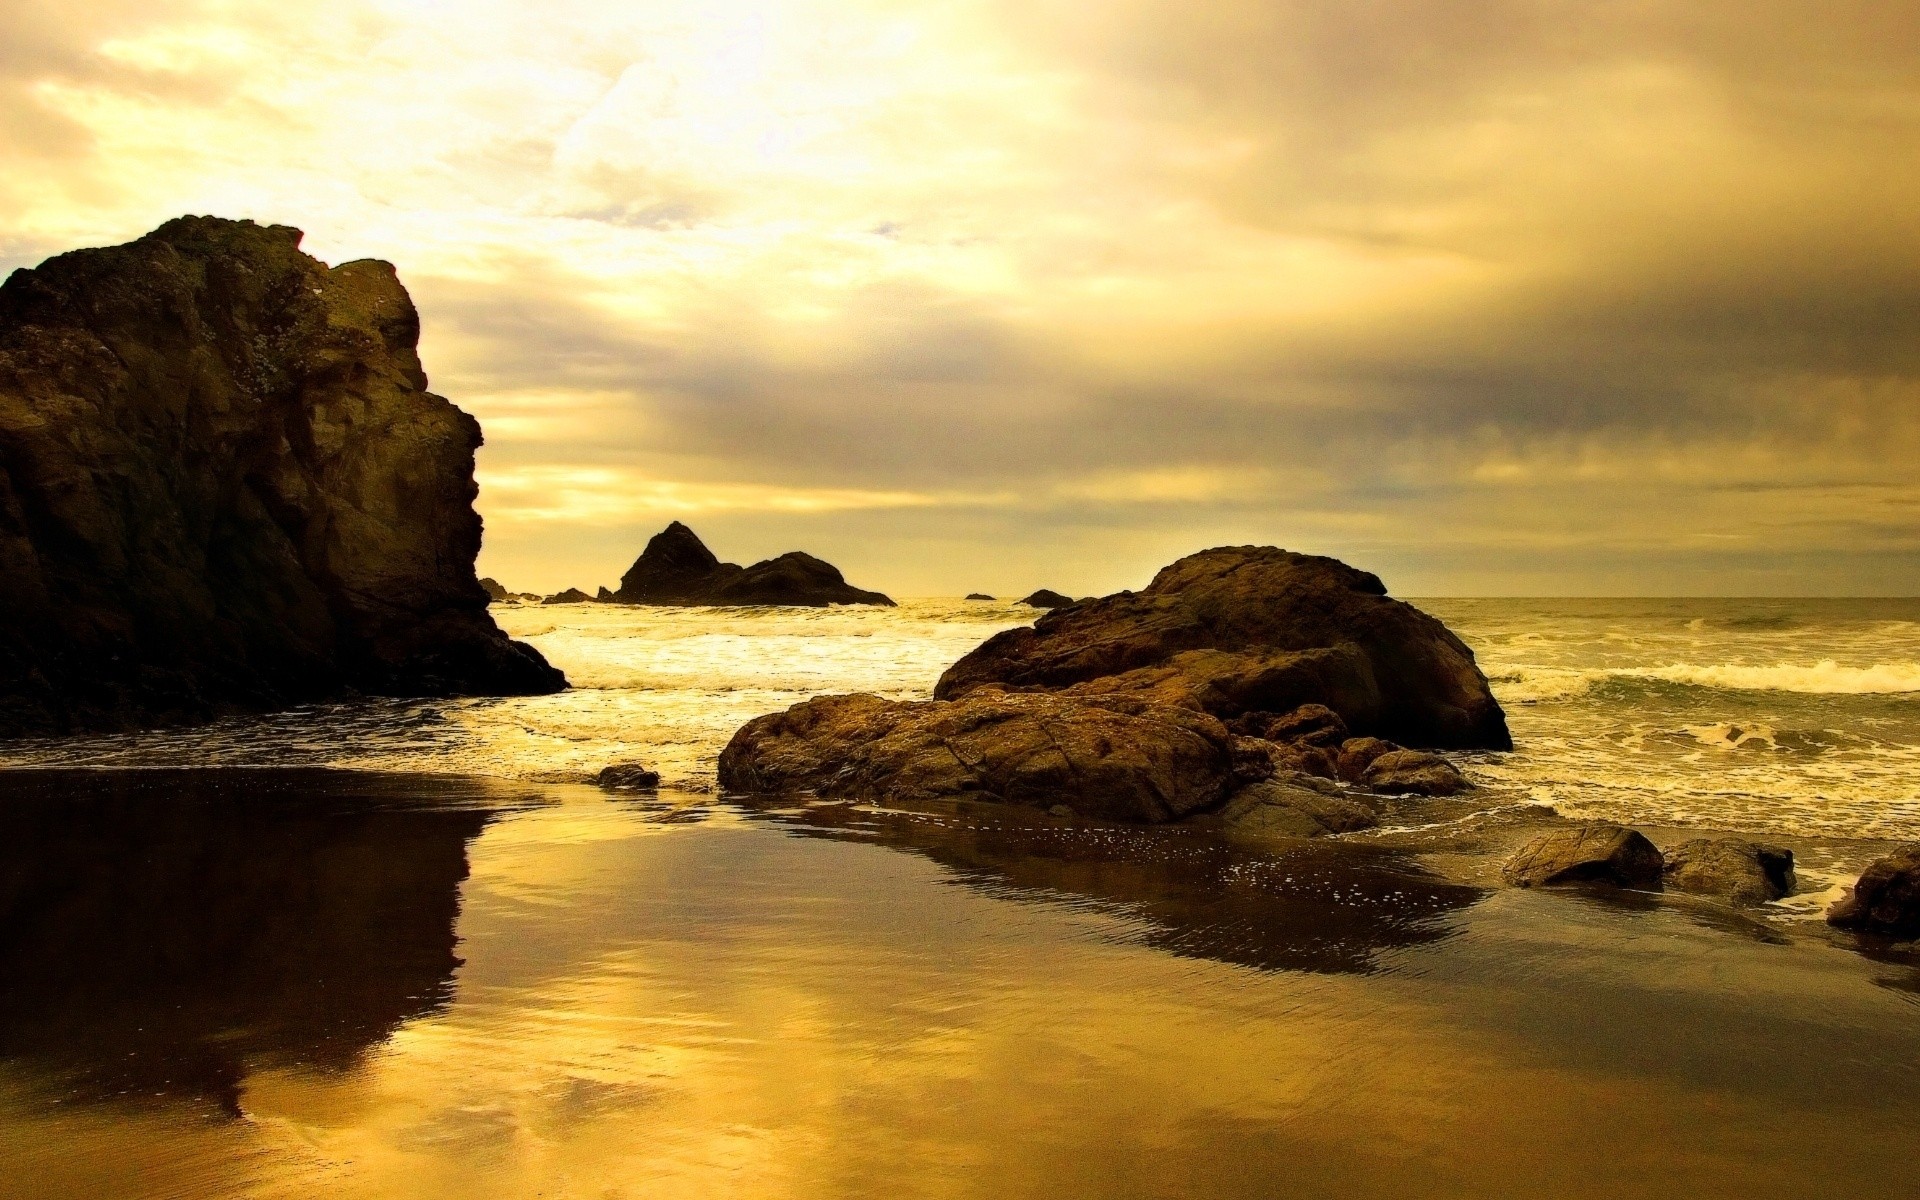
[{"x": 1526, "y": 685}]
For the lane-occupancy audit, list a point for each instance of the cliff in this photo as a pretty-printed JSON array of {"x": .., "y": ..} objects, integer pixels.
[{"x": 224, "y": 485}]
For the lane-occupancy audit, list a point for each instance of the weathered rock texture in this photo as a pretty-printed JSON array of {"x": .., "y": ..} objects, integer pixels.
[
  {"x": 1047, "y": 598},
  {"x": 1738, "y": 871},
  {"x": 223, "y": 484},
  {"x": 1587, "y": 854},
  {"x": 1152, "y": 764},
  {"x": 1886, "y": 899},
  {"x": 677, "y": 568},
  {"x": 1255, "y": 629}
]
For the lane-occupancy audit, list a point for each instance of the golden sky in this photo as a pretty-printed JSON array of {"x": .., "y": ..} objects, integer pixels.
[{"x": 1486, "y": 295}]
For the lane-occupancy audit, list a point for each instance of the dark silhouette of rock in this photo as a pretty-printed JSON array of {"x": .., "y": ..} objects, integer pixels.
[
  {"x": 978, "y": 596},
  {"x": 1587, "y": 854},
  {"x": 1414, "y": 772},
  {"x": 628, "y": 777},
  {"x": 677, "y": 568},
  {"x": 223, "y": 485},
  {"x": 1886, "y": 898},
  {"x": 1735, "y": 870},
  {"x": 1254, "y": 628},
  {"x": 494, "y": 590},
  {"x": 570, "y": 596},
  {"x": 1152, "y": 764},
  {"x": 603, "y": 595},
  {"x": 1046, "y": 598}
]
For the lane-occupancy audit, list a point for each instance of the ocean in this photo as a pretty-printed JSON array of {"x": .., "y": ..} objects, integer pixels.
[{"x": 404, "y": 949}]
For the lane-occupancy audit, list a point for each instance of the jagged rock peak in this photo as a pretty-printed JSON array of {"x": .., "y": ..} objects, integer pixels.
[{"x": 677, "y": 568}]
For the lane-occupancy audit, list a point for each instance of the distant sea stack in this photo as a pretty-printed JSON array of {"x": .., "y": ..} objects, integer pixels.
[
  {"x": 677, "y": 568},
  {"x": 224, "y": 485}
]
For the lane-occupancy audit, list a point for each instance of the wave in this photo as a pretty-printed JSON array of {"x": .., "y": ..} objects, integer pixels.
[{"x": 1528, "y": 685}]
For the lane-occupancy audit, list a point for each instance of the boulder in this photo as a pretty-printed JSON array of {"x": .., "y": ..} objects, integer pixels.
[
  {"x": 1046, "y": 598},
  {"x": 978, "y": 596},
  {"x": 1277, "y": 808},
  {"x": 1149, "y": 765},
  {"x": 676, "y": 568},
  {"x": 1293, "y": 629},
  {"x": 1308, "y": 725},
  {"x": 1414, "y": 772},
  {"x": 628, "y": 777},
  {"x": 1886, "y": 898},
  {"x": 1587, "y": 854},
  {"x": 570, "y": 596},
  {"x": 1358, "y": 754},
  {"x": 224, "y": 485},
  {"x": 494, "y": 590},
  {"x": 1738, "y": 871}
]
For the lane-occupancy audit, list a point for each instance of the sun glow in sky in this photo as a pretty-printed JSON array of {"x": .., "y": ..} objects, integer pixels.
[{"x": 1488, "y": 296}]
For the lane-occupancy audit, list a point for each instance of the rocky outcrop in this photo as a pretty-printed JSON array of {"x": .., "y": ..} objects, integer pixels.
[
  {"x": 1047, "y": 598},
  {"x": 1740, "y": 872},
  {"x": 677, "y": 568},
  {"x": 1587, "y": 854},
  {"x": 978, "y": 596},
  {"x": 1151, "y": 764},
  {"x": 1886, "y": 898},
  {"x": 1413, "y": 773},
  {"x": 223, "y": 484},
  {"x": 1242, "y": 629},
  {"x": 570, "y": 596},
  {"x": 494, "y": 589}
]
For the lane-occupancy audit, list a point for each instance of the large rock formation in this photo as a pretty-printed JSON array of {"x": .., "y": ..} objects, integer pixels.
[
  {"x": 677, "y": 568},
  {"x": 1885, "y": 900},
  {"x": 1153, "y": 764},
  {"x": 1255, "y": 629},
  {"x": 223, "y": 484}
]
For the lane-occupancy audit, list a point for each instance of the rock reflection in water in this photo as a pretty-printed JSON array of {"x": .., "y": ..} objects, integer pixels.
[
  {"x": 1320, "y": 906},
  {"x": 163, "y": 933}
]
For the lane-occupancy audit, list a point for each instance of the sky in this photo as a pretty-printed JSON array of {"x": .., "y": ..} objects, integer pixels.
[{"x": 1488, "y": 296}]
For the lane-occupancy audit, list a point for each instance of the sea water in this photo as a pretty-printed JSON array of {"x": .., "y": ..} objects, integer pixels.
[{"x": 1790, "y": 717}]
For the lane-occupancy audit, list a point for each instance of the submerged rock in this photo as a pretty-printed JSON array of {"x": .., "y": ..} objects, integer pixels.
[
  {"x": 1151, "y": 764},
  {"x": 1588, "y": 854},
  {"x": 223, "y": 484},
  {"x": 1047, "y": 598},
  {"x": 1886, "y": 898},
  {"x": 1248, "y": 628},
  {"x": 676, "y": 568},
  {"x": 628, "y": 777},
  {"x": 1735, "y": 870}
]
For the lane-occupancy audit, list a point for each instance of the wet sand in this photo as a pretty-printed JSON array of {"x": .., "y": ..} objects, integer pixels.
[{"x": 267, "y": 983}]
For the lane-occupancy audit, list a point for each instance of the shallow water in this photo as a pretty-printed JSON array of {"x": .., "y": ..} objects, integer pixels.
[{"x": 273, "y": 983}]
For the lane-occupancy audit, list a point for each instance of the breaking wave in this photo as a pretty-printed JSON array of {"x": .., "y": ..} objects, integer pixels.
[{"x": 1823, "y": 678}]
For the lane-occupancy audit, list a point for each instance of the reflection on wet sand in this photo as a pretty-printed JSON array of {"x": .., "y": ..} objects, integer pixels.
[
  {"x": 163, "y": 933},
  {"x": 1321, "y": 906}
]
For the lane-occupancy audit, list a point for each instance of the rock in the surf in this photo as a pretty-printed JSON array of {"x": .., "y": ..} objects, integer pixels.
[
  {"x": 1047, "y": 598},
  {"x": 1735, "y": 870},
  {"x": 1587, "y": 854},
  {"x": 1255, "y": 628},
  {"x": 1279, "y": 808},
  {"x": 1150, "y": 764},
  {"x": 978, "y": 596},
  {"x": 224, "y": 485},
  {"x": 628, "y": 777},
  {"x": 676, "y": 568},
  {"x": 1886, "y": 898},
  {"x": 1414, "y": 773}
]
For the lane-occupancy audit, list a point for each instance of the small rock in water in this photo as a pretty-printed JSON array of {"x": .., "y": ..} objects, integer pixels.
[
  {"x": 628, "y": 777},
  {"x": 1738, "y": 871},
  {"x": 1588, "y": 854},
  {"x": 978, "y": 596},
  {"x": 1415, "y": 772},
  {"x": 1047, "y": 598},
  {"x": 1886, "y": 899},
  {"x": 1357, "y": 754}
]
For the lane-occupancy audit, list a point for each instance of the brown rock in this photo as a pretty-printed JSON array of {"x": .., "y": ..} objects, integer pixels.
[
  {"x": 1739, "y": 871},
  {"x": 1046, "y": 598},
  {"x": 1588, "y": 854},
  {"x": 223, "y": 484},
  {"x": 1294, "y": 629},
  {"x": 1357, "y": 754},
  {"x": 1307, "y": 725},
  {"x": 628, "y": 777},
  {"x": 494, "y": 590},
  {"x": 677, "y": 568},
  {"x": 570, "y": 596},
  {"x": 1886, "y": 898},
  {"x": 1156, "y": 764},
  {"x": 978, "y": 596},
  {"x": 1277, "y": 808},
  {"x": 1414, "y": 772}
]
